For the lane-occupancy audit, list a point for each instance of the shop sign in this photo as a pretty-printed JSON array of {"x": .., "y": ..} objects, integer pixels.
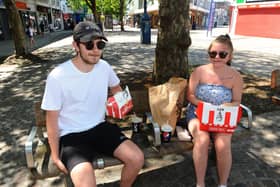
[
  {"x": 21, "y": 5},
  {"x": 254, "y": 1},
  {"x": 42, "y": 9},
  {"x": 252, "y": 6}
]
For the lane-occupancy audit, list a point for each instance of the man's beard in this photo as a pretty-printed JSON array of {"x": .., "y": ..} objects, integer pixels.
[{"x": 86, "y": 61}]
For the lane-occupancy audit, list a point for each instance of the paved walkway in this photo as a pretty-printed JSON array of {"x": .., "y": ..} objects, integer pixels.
[
  {"x": 7, "y": 46},
  {"x": 256, "y": 157}
]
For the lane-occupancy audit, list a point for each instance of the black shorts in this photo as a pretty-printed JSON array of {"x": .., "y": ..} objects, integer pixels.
[{"x": 81, "y": 147}]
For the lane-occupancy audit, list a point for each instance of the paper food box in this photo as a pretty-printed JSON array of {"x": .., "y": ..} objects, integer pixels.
[
  {"x": 119, "y": 104},
  {"x": 215, "y": 118}
]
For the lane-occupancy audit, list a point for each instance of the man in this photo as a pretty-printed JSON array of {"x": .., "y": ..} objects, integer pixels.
[{"x": 75, "y": 97}]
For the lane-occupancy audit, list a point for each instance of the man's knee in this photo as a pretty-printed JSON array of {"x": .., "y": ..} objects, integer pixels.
[
  {"x": 130, "y": 154},
  {"x": 83, "y": 172},
  {"x": 139, "y": 159}
]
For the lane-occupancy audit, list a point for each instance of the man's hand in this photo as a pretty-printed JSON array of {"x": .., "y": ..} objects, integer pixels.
[
  {"x": 115, "y": 89},
  {"x": 60, "y": 165}
]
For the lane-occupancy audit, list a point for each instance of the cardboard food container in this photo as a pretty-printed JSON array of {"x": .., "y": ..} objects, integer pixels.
[
  {"x": 119, "y": 105},
  {"x": 215, "y": 118}
]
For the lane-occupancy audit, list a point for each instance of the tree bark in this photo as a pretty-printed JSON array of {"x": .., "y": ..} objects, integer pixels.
[
  {"x": 92, "y": 5},
  {"x": 122, "y": 14},
  {"x": 173, "y": 41},
  {"x": 18, "y": 32}
]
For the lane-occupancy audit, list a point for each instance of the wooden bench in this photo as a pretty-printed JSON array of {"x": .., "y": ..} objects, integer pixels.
[
  {"x": 40, "y": 164},
  {"x": 275, "y": 86}
]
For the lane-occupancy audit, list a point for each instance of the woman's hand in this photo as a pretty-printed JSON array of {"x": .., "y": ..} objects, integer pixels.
[{"x": 231, "y": 104}]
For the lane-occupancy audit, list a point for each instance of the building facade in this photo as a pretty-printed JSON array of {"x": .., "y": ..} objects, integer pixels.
[
  {"x": 43, "y": 15},
  {"x": 256, "y": 18},
  {"x": 198, "y": 12}
]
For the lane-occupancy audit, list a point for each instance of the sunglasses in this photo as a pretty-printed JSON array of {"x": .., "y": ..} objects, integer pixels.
[
  {"x": 90, "y": 45},
  {"x": 213, "y": 54}
]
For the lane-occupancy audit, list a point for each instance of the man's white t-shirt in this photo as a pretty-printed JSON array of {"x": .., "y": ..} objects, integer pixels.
[{"x": 79, "y": 97}]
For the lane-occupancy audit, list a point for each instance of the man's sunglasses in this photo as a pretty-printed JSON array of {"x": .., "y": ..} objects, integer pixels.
[
  {"x": 213, "y": 54},
  {"x": 90, "y": 45}
]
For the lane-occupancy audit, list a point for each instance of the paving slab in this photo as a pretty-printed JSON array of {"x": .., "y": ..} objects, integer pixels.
[{"x": 255, "y": 157}]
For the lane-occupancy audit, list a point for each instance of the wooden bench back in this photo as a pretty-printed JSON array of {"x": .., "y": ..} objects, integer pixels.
[
  {"x": 40, "y": 115},
  {"x": 275, "y": 79},
  {"x": 275, "y": 86}
]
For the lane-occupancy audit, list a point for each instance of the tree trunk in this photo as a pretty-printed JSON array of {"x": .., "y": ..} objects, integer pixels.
[
  {"x": 173, "y": 41},
  {"x": 17, "y": 27},
  {"x": 92, "y": 5},
  {"x": 121, "y": 14}
]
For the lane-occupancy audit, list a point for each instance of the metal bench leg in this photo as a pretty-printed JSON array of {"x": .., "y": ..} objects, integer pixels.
[
  {"x": 249, "y": 117},
  {"x": 156, "y": 128},
  {"x": 67, "y": 181}
]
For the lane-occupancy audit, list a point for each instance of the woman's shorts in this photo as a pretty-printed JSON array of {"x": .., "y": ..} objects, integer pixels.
[
  {"x": 81, "y": 147},
  {"x": 190, "y": 114}
]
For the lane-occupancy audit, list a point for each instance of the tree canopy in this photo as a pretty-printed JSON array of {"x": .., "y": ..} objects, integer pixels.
[{"x": 97, "y": 6}]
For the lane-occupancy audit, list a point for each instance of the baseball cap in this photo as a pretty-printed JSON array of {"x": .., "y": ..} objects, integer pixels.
[{"x": 87, "y": 31}]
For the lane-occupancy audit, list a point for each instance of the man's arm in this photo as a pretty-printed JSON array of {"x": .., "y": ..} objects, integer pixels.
[
  {"x": 53, "y": 137},
  {"x": 115, "y": 89}
]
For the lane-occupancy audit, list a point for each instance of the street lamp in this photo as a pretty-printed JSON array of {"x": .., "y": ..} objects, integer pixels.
[
  {"x": 210, "y": 18},
  {"x": 145, "y": 26}
]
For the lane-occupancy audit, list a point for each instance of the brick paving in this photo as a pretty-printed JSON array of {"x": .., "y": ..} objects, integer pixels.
[{"x": 256, "y": 156}]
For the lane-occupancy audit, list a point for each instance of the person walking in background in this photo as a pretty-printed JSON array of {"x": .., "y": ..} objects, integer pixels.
[
  {"x": 30, "y": 35},
  {"x": 42, "y": 27},
  {"x": 219, "y": 84},
  {"x": 75, "y": 100}
]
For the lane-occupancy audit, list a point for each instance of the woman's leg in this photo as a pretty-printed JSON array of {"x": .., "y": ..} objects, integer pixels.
[
  {"x": 200, "y": 151},
  {"x": 224, "y": 158}
]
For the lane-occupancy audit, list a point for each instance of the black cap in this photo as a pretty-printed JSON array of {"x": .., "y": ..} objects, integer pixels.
[{"x": 87, "y": 31}]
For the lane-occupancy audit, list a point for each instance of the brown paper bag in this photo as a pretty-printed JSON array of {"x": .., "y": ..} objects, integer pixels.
[{"x": 166, "y": 101}]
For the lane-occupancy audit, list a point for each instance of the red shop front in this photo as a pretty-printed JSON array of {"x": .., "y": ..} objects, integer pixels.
[{"x": 258, "y": 19}]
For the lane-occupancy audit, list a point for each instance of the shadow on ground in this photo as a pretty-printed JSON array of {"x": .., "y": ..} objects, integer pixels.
[{"x": 253, "y": 164}]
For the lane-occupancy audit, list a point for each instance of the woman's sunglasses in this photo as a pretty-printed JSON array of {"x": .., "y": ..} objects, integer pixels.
[
  {"x": 90, "y": 45},
  {"x": 213, "y": 54}
]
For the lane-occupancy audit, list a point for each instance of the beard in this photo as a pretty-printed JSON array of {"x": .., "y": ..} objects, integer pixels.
[{"x": 89, "y": 59}]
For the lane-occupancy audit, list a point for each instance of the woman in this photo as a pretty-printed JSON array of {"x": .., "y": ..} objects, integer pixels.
[
  {"x": 219, "y": 84},
  {"x": 30, "y": 34}
]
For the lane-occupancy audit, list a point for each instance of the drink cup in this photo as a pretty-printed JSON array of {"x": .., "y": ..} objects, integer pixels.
[
  {"x": 166, "y": 131},
  {"x": 136, "y": 124}
]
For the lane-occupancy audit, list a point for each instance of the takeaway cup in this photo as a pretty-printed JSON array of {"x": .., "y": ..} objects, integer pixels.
[
  {"x": 166, "y": 131},
  {"x": 136, "y": 124}
]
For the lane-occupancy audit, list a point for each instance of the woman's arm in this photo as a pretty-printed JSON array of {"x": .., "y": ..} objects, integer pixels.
[
  {"x": 237, "y": 90},
  {"x": 193, "y": 82}
]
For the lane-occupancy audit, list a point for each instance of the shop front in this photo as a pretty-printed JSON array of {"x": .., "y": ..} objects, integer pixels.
[
  {"x": 44, "y": 16},
  {"x": 5, "y": 30},
  {"x": 198, "y": 18},
  {"x": 57, "y": 17},
  {"x": 256, "y": 19},
  {"x": 68, "y": 21},
  {"x": 29, "y": 17}
]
